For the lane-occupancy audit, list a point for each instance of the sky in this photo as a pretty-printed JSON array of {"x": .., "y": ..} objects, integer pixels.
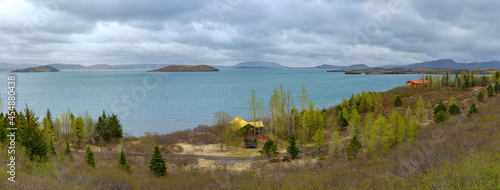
[{"x": 295, "y": 33}]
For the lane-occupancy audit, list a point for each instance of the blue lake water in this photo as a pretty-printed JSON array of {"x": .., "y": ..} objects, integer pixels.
[{"x": 165, "y": 102}]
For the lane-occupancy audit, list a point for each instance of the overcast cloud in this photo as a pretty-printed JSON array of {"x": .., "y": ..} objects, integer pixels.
[{"x": 225, "y": 32}]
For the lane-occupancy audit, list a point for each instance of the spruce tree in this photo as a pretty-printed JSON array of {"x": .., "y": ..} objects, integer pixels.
[
  {"x": 123, "y": 163},
  {"x": 440, "y": 117},
  {"x": 484, "y": 81},
  {"x": 292, "y": 149},
  {"x": 491, "y": 91},
  {"x": 30, "y": 136},
  {"x": 353, "y": 147},
  {"x": 497, "y": 87},
  {"x": 454, "y": 109},
  {"x": 342, "y": 122},
  {"x": 473, "y": 109},
  {"x": 157, "y": 163},
  {"x": 68, "y": 152},
  {"x": 480, "y": 96},
  {"x": 269, "y": 149},
  {"x": 472, "y": 80},
  {"x": 440, "y": 107},
  {"x": 397, "y": 102},
  {"x": 52, "y": 148},
  {"x": 89, "y": 157},
  {"x": 115, "y": 127}
]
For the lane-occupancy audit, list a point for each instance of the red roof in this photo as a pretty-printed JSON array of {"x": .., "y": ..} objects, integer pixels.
[{"x": 418, "y": 81}]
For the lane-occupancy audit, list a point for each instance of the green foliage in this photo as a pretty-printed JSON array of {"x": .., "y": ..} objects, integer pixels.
[
  {"x": 108, "y": 128},
  {"x": 353, "y": 147},
  {"x": 4, "y": 123},
  {"x": 337, "y": 145},
  {"x": 480, "y": 96},
  {"x": 319, "y": 139},
  {"x": 381, "y": 136},
  {"x": 255, "y": 106},
  {"x": 413, "y": 131},
  {"x": 292, "y": 149},
  {"x": 78, "y": 131},
  {"x": 157, "y": 163},
  {"x": 30, "y": 136},
  {"x": 355, "y": 122},
  {"x": 497, "y": 87},
  {"x": 497, "y": 75},
  {"x": 397, "y": 102},
  {"x": 48, "y": 128},
  {"x": 67, "y": 150},
  {"x": 421, "y": 112},
  {"x": 342, "y": 122},
  {"x": 473, "y": 109},
  {"x": 440, "y": 107},
  {"x": 52, "y": 148},
  {"x": 491, "y": 91},
  {"x": 440, "y": 117},
  {"x": 454, "y": 109},
  {"x": 89, "y": 157},
  {"x": 123, "y": 163},
  {"x": 484, "y": 81},
  {"x": 452, "y": 101},
  {"x": 269, "y": 149}
]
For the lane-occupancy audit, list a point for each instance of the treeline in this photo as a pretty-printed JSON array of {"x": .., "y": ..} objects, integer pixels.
[
  {"x": 462, "y": 79},
  {"x": 38, "y": 138}
]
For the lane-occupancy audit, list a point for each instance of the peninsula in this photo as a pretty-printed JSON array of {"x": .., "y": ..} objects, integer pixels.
[{"x": 186, "y": 68}]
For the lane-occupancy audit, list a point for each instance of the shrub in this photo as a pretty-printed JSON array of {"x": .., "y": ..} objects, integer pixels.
[
  {"x": 497, "y": 87},
  {"x": 89, "y": 157},
  {"x": 68, "y": 152},
  {"x": 292, "y": 149},
  {"x": 157, "y": 163},
  {"x": 473, "y": 109},
  {"x": 440, "y": 117},
  {"x": 480, "y": 96},
  {"x": 454, "y": 109},
  {"x": 397, "y": 101},
  {"x": 52, "y": 149}
]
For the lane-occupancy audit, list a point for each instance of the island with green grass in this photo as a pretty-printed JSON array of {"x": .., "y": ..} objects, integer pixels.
[
  {"x": 44, "y": 68},
  {"x": 186, "y": 68}
]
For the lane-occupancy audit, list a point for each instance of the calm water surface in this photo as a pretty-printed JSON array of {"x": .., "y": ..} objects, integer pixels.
[{"x": 166, "y": 102}]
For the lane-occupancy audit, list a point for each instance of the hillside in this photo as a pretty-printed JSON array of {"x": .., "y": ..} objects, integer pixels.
[
  {"x": 186, "y": 68},
  {"x": 45, "y": 68},
  {"x": 258, "y": 65},
  {"x": 451, "y": 64}
]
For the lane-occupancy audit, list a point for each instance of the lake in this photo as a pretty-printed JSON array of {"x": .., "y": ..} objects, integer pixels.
[{"x": 165, "y": 102}]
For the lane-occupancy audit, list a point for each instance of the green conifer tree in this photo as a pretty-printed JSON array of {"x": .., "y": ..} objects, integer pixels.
[
  {"x": 355, "y": 123},
  {"x": 491, "y": 91},
  {"x": 292, "y": 149},
  {"x": 454, "y": 109},
  {"x": 89, "y": 157},
  {"x": 52, "y": 148},
  {"x": 68, "y": 152},
  {"x": 473, "y": 109},
  {"x": 421, "y": 112},
  {"x": 440, "y": 107},
  {"x": 353, "y": 147},
  {"x": 30, "y": 136},
  {"x": 480, "y": 96},
  {"x": 484, "y": 81},
  {"x": 337, "y": 145},
  {"x": 319, "y": 139},
  {"x": 397, "y": 102},
  {"x": 269, "y": 149},
  {"x": 157, "y": 163},
  {"x": 123, "y": 163},
  {"x": 440, "y": 117}
]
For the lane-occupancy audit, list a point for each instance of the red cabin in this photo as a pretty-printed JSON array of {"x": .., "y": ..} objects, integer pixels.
[{"x": 415, "y": 83}]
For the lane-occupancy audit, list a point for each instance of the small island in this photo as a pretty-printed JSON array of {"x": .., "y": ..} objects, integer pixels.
[
  {"x": 186, "y": 68},
  {"x": 44, "y": 68}
]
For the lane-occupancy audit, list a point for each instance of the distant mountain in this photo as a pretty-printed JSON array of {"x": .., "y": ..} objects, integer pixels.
[
  {"x": 186, "y": 68},
  {"x": 44, "y": 68},
  {"x": 258, "y": 64},
  {"x": 143, "y": 66},
  {"x": 61, "y": 66},
  {"x": 350, "y": 67},
  {"x": 81, "y": 67},
  {"x": 104, "y": 66},
  {"x": 9, "y": 67},
  {"x": 451, "y": 64}
]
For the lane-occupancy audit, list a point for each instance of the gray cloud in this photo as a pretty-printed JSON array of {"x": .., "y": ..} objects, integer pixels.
[{"x": 224, "y": 32}]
